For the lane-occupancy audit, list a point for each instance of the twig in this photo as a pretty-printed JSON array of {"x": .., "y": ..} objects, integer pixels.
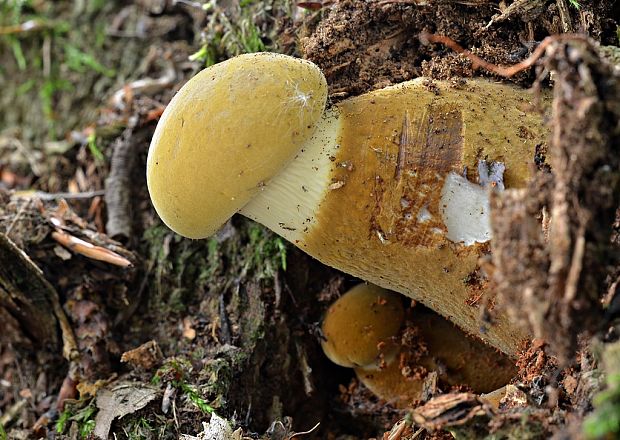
[
  {"x": 61, "y": 195},
  {"x": 13, "y": 411},
  {"x": 506, "y": 72},
  {"x": 28, "y": 26},
  {"x": 19, "y": 214},
  {"x": 144, "y": 86},
  {"x": 417, "y": 433},
  {"x": 527, "y": 10},
  {"x": 310, "y": 431},
  {"x": 396, "y": 433},
  {"x": 90, "y": 250}
]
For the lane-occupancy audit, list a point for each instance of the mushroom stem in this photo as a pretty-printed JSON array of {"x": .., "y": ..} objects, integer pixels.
[{"x": 377, "y": 191}]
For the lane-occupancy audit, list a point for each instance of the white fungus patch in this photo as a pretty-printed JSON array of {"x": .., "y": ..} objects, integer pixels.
[{"x": 465, "y": 210}]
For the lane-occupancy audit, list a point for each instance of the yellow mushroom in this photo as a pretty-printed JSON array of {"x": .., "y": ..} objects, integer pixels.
[
  {"x": 226, "y": 134},
  {"x": 377, "y": 191},
  {"x": 362, "y": 330},
  {"x": 391, "y": 385},
  {"x": 361, "y": 327}
]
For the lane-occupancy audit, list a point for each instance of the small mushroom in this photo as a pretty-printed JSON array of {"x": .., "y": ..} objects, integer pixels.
[
  {"x": 374, "y": 186},
  {"x": 390, "y": 385},
  {"x": 361, "y": 330}
]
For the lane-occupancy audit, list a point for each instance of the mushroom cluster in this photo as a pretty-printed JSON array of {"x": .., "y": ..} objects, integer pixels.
[
  {"x": 378, "y": 186},
  {"x": 363, "y": 330}
]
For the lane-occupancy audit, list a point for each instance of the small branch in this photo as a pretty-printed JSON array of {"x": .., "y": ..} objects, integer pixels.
[
  {"x": 506, "y": 72},
  {"x": 13, "y": 411},
  {"x": 297, "y": 434},
  {"x": 61, "y": 195},
  {"x": 28, "y": 26},
  {"x": 90, "y": 250}
]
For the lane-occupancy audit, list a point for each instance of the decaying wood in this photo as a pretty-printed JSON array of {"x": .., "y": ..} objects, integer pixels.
[
  {"x": 451, "y": 410},
  {"x": 553, "y": 278},
  {"x": 26, "y": 294},
  {"x": 526, "y": 10},
  {"x": 118, "y": 184},
  {"x": 563, "y": 10}
]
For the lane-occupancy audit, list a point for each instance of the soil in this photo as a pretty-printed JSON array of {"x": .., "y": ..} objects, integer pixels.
[{"x": 100, "y": 302}]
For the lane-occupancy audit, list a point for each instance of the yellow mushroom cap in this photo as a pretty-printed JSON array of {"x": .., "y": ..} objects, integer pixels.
[
  {"x": 227, "y": 133},
  {"x": 360, "y": 326},
  {"x": 389, "y": 384}
]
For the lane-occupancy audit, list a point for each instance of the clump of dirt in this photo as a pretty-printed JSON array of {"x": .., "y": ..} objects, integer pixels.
[
  {"x": 414, "y": 348},
  {"x": 553, "y": 276},
  {"x": 363, "y": 46}
]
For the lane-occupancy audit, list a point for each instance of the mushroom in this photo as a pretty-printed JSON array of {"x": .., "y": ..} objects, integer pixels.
[
  {"x": 390, "y": 385},
  {"x": 373, "y": 186},
  {"x": 226, "y": 134},
  {"x": 361, "y": 330}
]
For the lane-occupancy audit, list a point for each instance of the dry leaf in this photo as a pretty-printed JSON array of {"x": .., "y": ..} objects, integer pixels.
[{"x": 119, "y": 400}]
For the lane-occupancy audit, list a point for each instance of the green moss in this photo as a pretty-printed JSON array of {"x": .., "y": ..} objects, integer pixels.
[
  {"x": 185, "y": 270},
  {"x": 139, "y": 429},
  {"x": 268, "y": 252},
  {"x": 11, "y": 11},
  {"x": 55, "y": 62},
  {"x": 177, "y": 371},
  {"x": 528, "y": 426},
  {"x": 80, "y": 61},
  {"x": 94, "y": 148},
  {"x": 95, "y": 6},
  {"x": 193, "y": 395},
  {"x": 82, "y": 413},
  {"x": 234, "y": 268},
  {"x": 247, "y": 32},
  {"x": 49, "y": 88},
  {"x": 527, "y": 429},
  {"x": 217, "y": 375},
  {"x": 604, "y": 422},
  {"x": 18, "y": 53}
]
